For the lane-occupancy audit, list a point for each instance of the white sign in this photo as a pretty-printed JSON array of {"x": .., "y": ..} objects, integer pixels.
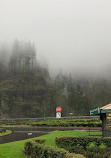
[{"x": 58, "y": 115}]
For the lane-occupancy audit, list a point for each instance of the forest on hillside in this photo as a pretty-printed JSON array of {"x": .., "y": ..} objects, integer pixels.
[{"x": 28, "y": 90}]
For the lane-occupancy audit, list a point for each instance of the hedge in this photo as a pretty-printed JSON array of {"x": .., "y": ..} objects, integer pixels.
[
  {"x": 93, "y": 122},
  {"x": 68, "y": 122},
  {"x": 89, "y": 146},
  {"x": 40, "y": 141},
  {"x": 29, "y": 145},
  {"x": 36, "y": 150},
  {"x": 70, "y": 142}
]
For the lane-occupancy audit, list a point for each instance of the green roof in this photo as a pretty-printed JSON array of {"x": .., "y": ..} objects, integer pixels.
[
  {"x": 105, "y": 111},
  {"x": 98, "y": 111}
]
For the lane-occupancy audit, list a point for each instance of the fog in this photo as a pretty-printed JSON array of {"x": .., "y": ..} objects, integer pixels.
[{"x": 69, "y": 35}]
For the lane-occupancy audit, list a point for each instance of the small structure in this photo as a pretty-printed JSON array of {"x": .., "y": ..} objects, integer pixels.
[{"x": 105, "y": 115}]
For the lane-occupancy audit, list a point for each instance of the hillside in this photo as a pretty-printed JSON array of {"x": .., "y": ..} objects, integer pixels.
[
  {"x": 22, "y": 97},
  {"x": 27, "y": 89}
]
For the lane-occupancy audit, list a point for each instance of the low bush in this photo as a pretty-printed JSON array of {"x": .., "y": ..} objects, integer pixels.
[
  {"x": 2, "y": 130},
  {"x": 102, "y": 146},
  {"x": 29, "y": 145},
  {"x": 69, "y": 142},
  {"x": 40, "y": 141},
  {"x": 68, "y": 123},
  {"x": 36, "y": 150},
  {"x": 90, "y": 147},
  {"x": 96, "y": 152},
  {"x": 72, "y": 155},
  {"x": 92, "y": 122}
]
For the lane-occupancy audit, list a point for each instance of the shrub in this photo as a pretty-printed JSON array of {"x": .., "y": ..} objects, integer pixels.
[
  {"x": 40, "y": 151},
  {"x": 88, "y": 146},
  {"x": 72, "y": 155},
  {"x": 28, "y": 147},
  {"x": 2, "y": 130},
  {"x": 40, "y": 141},
  {"x": 69, "y": 143},
  {"x": 36, "y": 150},
  {"x": 102, "y": 146},
  {"x": 96, "y": 152},
  {"x": 92, "y": 122},
  {"x": 91, "y": 145}
]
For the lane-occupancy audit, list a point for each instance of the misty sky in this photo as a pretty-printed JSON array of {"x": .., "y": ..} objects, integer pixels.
[{"x": 68, "y": 34}]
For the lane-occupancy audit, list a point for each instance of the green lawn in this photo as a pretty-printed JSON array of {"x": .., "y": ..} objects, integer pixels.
[
  {"x": 5, "y": 133},
  {"x": 14, "y": 149}
]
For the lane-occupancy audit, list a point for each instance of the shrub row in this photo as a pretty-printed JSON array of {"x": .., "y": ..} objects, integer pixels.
[
  {"x": 67, "y": 123},
  {"x": 88, "y": 146},
  {"x": 70, "y": 142},
  {"x": 95, "y": 122},
  {"x": 97, "y": 152},
  {"x": 36, "y": 150}
]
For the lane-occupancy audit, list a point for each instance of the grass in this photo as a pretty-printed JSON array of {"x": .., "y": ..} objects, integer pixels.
[
  {"x": 50, "y": 138},
  {"x": 5, "y": 133},
  {"x": 14, "y": 149}
]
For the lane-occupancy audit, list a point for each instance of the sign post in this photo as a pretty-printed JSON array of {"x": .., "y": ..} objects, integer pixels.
[{"x": 58, "y": 114}]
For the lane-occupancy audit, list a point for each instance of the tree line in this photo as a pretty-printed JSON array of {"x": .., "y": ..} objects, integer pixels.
[
  {"x": 21, "y": 59},
  {"x": 28, "y": 90}
]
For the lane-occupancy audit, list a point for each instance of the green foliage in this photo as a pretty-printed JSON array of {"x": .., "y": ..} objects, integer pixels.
[
  {"x": 95, "y": 122},
  {"x": 27, "y": 90},
  {"x": 5, "y": 132},
  {"x": 86, "y": 142},
  {"x": 102, "y": 146},
  {"x": 13, "y": 149},
  {"x": 72, "y": 155},
  {"x": 40, "y": 141},
  {"x": 96, "y": 152},
  {"x": 37, "y": 150},
  {"x": 29, "y": 145},
  {"x": 77, "y": 99},
  {"x": 90, "y": 147},
  {"x": 2, "y": 130}
]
